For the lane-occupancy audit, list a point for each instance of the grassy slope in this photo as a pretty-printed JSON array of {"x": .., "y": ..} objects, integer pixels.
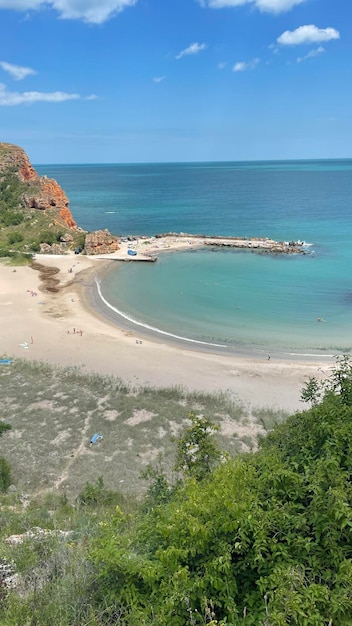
[{"x": 54, "y": 413}]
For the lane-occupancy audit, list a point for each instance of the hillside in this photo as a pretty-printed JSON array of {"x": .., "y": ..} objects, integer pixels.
[
  {"x": 34, "y": 210},
  {"x": 255, "y": 539}
]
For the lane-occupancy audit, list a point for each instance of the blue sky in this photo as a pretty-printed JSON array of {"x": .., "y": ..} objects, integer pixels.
[{"x": 123, "y": 81}]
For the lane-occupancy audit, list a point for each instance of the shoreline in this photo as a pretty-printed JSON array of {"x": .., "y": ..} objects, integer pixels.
[
  {"x": 175, "y": 242},
  {"x": 97, "y": 305},
  {"x": 46, "y": 327}
]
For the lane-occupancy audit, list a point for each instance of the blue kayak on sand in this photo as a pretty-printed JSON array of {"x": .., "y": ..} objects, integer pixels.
[{"x": 5, "y": 361}]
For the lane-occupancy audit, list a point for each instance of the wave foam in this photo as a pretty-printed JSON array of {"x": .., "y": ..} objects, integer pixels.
[{"x": 153, "y": 328}]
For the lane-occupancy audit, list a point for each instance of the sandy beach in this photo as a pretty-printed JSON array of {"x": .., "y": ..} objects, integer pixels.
[{"x": 64, "y": 328}]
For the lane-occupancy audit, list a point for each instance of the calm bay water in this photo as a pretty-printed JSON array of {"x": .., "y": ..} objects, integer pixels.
[{"x": 238, "y": 299}]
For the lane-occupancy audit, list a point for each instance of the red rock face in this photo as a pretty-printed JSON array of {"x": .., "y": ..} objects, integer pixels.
[
  {"x": 27, "y": 171},
  {"x": 44, "y": 193},
  {"x": 66, "y": 215},
  {"x": 48, "y": 195}
]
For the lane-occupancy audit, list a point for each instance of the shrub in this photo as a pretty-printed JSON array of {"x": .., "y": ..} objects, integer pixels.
[
  {"x": 48, "y": 237},
  {"x": 15, "y": 237},
  {"x": 97, "y": 495},
  {"x": 4, "y": 427},
  {"x": 5, "y": 474},
  {"x": 34, "y": 246}
]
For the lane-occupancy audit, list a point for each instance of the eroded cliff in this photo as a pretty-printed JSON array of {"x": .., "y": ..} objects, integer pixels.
[{"x": 37, "y": 192}]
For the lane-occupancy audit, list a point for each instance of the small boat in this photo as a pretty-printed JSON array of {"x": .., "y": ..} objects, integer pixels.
[{"x": 131, "y": 252}]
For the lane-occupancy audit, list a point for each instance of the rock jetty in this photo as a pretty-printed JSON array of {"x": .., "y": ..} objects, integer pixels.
[{"x": 259, "y": 244}]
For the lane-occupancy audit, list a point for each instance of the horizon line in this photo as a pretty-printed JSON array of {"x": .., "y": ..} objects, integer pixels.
[{"x": 292, "y": 160}]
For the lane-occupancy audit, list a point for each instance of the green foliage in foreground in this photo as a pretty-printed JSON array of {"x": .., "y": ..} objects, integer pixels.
[{"x": 263, "y": 539}]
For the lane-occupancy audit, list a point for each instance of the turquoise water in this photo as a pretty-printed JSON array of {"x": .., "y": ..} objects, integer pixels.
[{"x": 237, "y": 299}]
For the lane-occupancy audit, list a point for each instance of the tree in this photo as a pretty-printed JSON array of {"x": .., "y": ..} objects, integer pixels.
[
  {"x": 338, "y": 384},
  {"x": 197, "y": 450}
]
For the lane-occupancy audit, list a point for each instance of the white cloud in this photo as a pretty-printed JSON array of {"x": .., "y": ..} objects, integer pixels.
[
  {"x": 16, "y": 71},
  {"x": 277, "y": 6},
  {"x": 91, "y": 11},
  {"x": 307, "y": 34},
  {"x": 222, "y": 65},
  {"x": 311, "y": 54},
  {"x": 242, "y": 66},
  {"x": 194, "y": 48},
  {"x": 13, "y": 98},
  {"x": 158, "y": 79},
  {"x": 270, "y": 6}
]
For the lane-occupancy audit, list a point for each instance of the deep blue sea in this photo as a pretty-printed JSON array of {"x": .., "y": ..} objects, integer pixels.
[{"x": 241, "y": 300}]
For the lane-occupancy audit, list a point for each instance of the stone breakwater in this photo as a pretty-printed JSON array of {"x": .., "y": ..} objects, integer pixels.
[
  {"x": 260, "y": 244},
  {"x": 145, "y": 248}
]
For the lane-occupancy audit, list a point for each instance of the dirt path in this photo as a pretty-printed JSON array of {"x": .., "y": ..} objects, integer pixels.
[{"x": 79, "y": 451}]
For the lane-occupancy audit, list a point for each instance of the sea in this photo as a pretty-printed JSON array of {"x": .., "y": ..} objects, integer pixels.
[{"x": 236, "y": 301}]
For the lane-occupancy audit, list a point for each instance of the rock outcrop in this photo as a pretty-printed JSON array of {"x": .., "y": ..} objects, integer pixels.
[
  {"x": 101, "y": 242},
  {"x": 40, "y": 193}
]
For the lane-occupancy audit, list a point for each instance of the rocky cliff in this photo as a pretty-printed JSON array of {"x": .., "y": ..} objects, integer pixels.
[
  {"x": 35, "y": 214},
  {"x": 39, "y": 192}
]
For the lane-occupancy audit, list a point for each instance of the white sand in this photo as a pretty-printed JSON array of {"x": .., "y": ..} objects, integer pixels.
[{"x": 41, "y": 327}]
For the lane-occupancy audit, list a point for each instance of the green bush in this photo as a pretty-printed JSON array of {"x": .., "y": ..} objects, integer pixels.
[
  {"x": 34, "y": 246},
  {"x": 80, "y": 240},
  {"x": 48, "y": 237},
  {"x": 4, "y": 427},
  {"x": 15, "y": 237},
  {"x": 10, "y": 218},
  {"x": 5, "y": 475},
  {"x": 264, "y": 538},
  {"x": 5, "y": 469},
  {"x": 97, "y": 495}
]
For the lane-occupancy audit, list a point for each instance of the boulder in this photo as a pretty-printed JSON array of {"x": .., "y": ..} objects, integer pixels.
[{"x": 101, "y": 242}]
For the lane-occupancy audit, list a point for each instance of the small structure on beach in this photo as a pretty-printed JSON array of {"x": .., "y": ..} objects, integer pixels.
[{"x": 95, "y": 439}]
